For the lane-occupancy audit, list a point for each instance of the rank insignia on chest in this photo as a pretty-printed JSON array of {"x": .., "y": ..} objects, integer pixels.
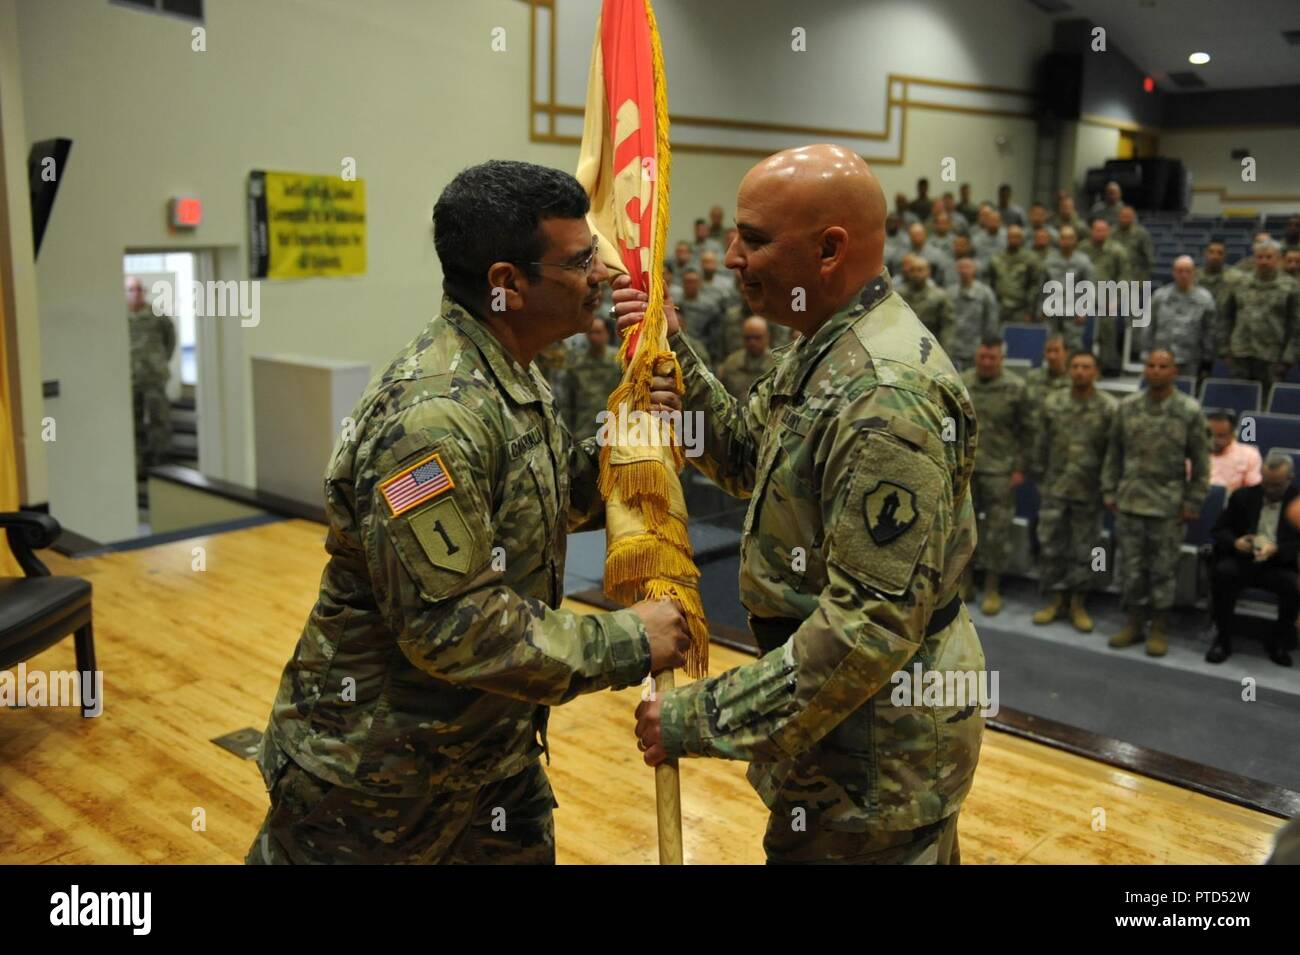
[
  {"x": 890, "y": 510},
  {"x": 422, "y": 481}
]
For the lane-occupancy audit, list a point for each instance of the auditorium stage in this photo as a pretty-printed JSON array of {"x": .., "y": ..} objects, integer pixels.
[{"x": 189, "y": 656}]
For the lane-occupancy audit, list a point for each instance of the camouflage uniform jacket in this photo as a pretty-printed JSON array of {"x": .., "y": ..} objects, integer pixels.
[
  {"x": 1040, "y": 385},
  {"x": 585, "y": 390},
  {"x": 1006, "y": 422},
  {"x": 436, "y": 641},
  {"x": 1013, "y": 277},
  {"x": 1070, "y": 445},
  {"x": 153, "y": 339},
  {"x": 1260, "y": 318},
  {"x": 1109, "y": 261},
  {"x": 1218, "y": 284},
  {"x": 1136, "y": 242},
  {"x": 1184, "y": 322},
  {"x": 843, "y": 450},
  {"x": 975, "y": 316},
  {"x": 1150, "y": 440},
  {"x": 741, "y": 369},
  {"x": 932, "y": 306}
]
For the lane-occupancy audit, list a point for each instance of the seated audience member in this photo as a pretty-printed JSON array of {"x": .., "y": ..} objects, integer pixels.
[
  {"x": 1232, "y": 464},
  {"x": 1256, "y": 546}
]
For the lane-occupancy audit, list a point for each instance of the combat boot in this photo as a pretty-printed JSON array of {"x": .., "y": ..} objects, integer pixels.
[
  {"x": 1052, "y": 610},
  {"x": 992, "y": 598},
  {"x": 1078, "y": 616},
  {"x": 1131, "y": 633},
  {"x": 1157, "y": 640}
]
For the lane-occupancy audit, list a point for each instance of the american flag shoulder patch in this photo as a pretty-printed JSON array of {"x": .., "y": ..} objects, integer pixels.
[{"x": 422, "y": 481}]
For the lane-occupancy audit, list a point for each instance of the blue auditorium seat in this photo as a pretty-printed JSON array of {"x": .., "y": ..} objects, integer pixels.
[
  {"x": 1284, "y": 399},
  {"x": 1236, "y": 394},
  {"x": 1198, "y": 532},
  {"x": 1270, "y": 430},
  {"x": 1089, "y": 331},
  {"x": 1220, "y": 369},
  {"x": 1025, "y": 341}
]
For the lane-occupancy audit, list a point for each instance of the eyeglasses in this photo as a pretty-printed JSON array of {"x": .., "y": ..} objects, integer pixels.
[{"x": 585, "y": 265}]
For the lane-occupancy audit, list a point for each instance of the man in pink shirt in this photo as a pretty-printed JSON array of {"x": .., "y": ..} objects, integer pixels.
[{"x": 1232, "y": 464}]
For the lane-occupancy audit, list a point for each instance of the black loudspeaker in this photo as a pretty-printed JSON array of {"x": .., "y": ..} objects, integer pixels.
[
  {"x": 46, "y": 165},
  {"x": 1060, "y": 85},
  {"x": 1154, "y": 183}
]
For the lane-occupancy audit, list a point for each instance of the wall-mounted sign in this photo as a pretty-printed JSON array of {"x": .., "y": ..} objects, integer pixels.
[
  {"x": 185, "y": 212},
  {"x": 301, "y": 225}
]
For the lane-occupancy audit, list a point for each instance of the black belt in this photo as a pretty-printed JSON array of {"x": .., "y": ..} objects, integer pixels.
[{"x": 772, "y": 632}]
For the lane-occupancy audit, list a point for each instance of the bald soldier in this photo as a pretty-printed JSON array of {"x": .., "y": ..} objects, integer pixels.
[
  {"x": 409, "y": 720},
  {"x": 975, "y": 314},
  {"x": 748, "y": 363},
  {"x": 1058, "y": 263},
  {"x": 857, "y": 454}
]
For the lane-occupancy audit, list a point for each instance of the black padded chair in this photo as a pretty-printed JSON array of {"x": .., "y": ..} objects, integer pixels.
[{"x": 38, "y": 610}]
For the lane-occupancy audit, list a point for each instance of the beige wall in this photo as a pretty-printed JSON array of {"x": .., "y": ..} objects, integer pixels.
[
  {"x": 20, "y": 285},
  {"x": 1207, "y": 154},
  {"x": 284, "y": 84}
]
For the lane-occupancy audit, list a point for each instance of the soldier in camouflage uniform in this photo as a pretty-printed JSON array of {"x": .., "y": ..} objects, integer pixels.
[
  {"x": 1216, "y": 278},
  {"x": 1149, "y": 487},
  {"x": 975, "y": 314},
  {"x": 1058, "y": 263},
  {"x": 857, "y": 453},
  {"x": 1069, "y": 450},
  {"x": 702, "y": 311},
  {"x": 1052, "y": 375},
  {"x": 1067, "y": 216},
  {"x": 1137, "y": 244},
  {"x": 1013, "y": 276},
  {"x": 409, "y": 721},
  {"x": 153, "y": 340},
  {"x": 930, "y": 303},
  {"x": 1184, "y": 320},
  {"x": 1259, "y": 321},
  {"x": 747, "y": 364},
  {"x": 1109, "y": 264},
  {"x": 588, "y": 381},
  {"x": 1038, "y": 220},
  {"x": 1006, "y": 440}
]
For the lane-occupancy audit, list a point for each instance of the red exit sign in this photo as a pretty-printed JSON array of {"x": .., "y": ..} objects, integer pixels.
[{"x": 186, "y": 212}]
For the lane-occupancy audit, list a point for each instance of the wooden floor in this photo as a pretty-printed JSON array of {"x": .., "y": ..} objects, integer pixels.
[{"x": 190, "y": 655}]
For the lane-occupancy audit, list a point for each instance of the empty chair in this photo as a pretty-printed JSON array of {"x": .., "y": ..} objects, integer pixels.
[
  {"x": 1284, "y": 399},
  {"x": 1025, "y": 342},
  {"x": 1240, "y": 396},
  {"x": 1266, "y": 430}
]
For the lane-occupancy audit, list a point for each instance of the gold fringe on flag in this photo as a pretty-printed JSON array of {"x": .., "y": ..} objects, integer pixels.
[{"x": 649, "y": 553}]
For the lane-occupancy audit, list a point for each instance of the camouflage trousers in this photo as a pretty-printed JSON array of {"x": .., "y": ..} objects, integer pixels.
[
  {"x": 995, "y": 510},
  {"x": 1067, "y": 533},
  {"x": 1149, "y": 548},
  {"x": 1110, "y": 343},
  {"x": 153, "y": 426},
  {"x": 315, "y": 822},
  {"x": 935, "y": 844}
]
